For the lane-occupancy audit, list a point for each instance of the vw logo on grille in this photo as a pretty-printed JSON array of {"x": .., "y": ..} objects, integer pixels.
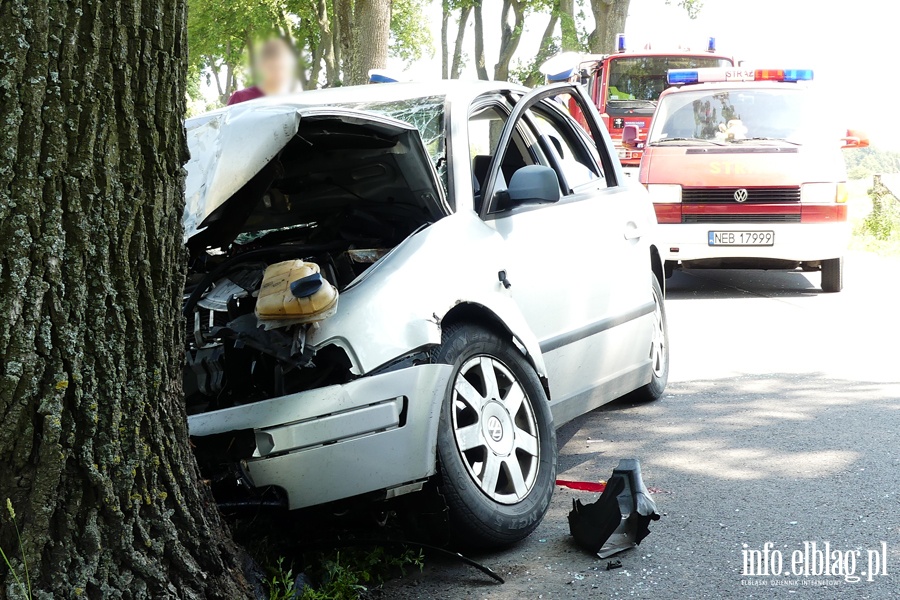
[
  {"x": 495, "y": 429},
  {"x": 740, "y": 195}
]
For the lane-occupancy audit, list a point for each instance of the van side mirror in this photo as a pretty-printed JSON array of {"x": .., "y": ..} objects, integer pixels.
[
  {"x": 534, "y": 183},
  {"x": 855, "y": 139}
]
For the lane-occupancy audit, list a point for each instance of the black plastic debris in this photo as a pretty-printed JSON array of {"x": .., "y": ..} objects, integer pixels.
[{"x": 620, "y": 518}]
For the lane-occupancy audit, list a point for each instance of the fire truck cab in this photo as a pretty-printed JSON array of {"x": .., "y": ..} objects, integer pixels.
[
  {"x": 745, "y": 171},
  {"x": 626, "y": 85}
]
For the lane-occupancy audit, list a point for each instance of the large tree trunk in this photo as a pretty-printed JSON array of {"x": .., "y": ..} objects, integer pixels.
[
  {"x": 370, "y": 42},
  {"x": 609, "y": 19},
  {"x": 94, "y": 452}
]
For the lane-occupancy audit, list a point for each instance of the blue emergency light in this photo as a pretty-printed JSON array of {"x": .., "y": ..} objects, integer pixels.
[
  {"x": 620, "y": 42},
  {"x": 381, "y": 76},
  {"x": 798, "y": 75},
  {"x": 682, "y": 76},
  {"x": 711, "y": 45},
  {"x": 724, "y": 74}
]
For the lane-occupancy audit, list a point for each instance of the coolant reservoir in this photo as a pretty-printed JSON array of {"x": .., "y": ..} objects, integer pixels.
[{"x": 294, "y": 291}]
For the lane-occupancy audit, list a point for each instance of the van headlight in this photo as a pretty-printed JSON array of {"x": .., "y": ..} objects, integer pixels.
[
  {"x": 823, "y": 193},
  {"x": 664, "y": 193}
]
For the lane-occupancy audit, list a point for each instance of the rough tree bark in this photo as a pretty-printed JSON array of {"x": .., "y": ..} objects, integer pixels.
[
  {"x": 370, "y": 38},
  {"x": 94, "y": 452},
  {"x": 609, "y": 19}
]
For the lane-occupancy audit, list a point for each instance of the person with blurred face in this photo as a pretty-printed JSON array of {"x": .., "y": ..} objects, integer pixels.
[{"x": 277, "y": 68}]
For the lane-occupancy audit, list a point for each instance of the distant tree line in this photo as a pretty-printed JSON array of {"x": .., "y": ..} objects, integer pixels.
[
  {"x": 862, "y": 163},
  {"x": 338, "y": 41}
]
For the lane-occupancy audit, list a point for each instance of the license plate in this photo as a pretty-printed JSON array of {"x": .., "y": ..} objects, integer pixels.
[{"x": 741, "y": 238}]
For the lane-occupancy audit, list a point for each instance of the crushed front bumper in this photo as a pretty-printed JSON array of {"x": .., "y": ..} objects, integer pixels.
[{"x": 375, "y": 433}]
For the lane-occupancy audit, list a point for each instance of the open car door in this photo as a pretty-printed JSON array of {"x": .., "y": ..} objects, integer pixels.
[{"x": 575, "y": 244}]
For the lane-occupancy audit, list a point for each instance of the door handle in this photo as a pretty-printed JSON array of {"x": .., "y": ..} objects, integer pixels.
[{"x": 632, "y": 231}]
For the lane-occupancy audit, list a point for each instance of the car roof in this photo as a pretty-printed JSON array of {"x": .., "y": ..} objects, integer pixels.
[{"x": 455, "y": 90}]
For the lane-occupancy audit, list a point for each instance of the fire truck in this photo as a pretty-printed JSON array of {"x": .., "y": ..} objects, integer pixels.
[{"x": 625, "y": 86}]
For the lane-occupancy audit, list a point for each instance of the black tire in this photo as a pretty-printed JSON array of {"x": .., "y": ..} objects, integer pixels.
[
  {"x": 659, "y": 350},
  {"x": 502, "y": 443},
  {"x": 833, "y": 275},
  {"x": 669, "y": 268}
]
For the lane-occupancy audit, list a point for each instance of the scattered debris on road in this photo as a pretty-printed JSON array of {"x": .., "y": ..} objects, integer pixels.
[{"x": 620, "y": 518}]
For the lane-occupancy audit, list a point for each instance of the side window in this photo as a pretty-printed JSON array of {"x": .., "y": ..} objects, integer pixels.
[
  {"x": 574, "y": 161},
  {"x": 485, "y": 128}
]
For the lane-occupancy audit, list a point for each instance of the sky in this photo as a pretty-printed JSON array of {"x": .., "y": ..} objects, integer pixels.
[{"x": 851, "y": 46}]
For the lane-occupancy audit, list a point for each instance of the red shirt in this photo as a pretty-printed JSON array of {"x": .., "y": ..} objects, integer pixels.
[{"x": 250, "y": 93}]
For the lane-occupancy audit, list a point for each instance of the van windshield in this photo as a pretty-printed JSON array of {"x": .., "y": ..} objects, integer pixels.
[{"x": 723, "y": 116}]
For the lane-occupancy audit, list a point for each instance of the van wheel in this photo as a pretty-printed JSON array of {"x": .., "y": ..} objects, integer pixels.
[
  {"x": 659, "y": 350},
  {"x": 833, "y": 275},
  {"x": 496, "y": 440}
]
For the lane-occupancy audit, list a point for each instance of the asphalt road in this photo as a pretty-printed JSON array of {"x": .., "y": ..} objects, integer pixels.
[{"x": 780, "y": 424}]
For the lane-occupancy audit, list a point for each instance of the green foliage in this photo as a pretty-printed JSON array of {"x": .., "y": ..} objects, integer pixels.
[
  {"x": 692, "y": 7},
  {"x": 343, "y": 575},
  {"x": 883, "y": 223},
  {"x": 528, "y": 72},
  {"x": 865, "y": 162},
  {"x": 26, "y": 585},
  {"x": 411, "y": 39}
]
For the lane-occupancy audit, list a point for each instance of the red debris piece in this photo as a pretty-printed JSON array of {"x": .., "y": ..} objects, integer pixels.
[{"x": 583, "y": 486}]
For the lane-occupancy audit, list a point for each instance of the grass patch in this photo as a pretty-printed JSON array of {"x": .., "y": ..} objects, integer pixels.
[
  {"x": 24, "y": 585},
  {"x": 341, "y": 574}
]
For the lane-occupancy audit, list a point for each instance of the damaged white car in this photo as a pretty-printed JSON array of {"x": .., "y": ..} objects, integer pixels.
[{"x": 409, "y": 286}]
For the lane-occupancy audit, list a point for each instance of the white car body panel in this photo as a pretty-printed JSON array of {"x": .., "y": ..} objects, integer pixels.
[{"x": 418, "y": 283}]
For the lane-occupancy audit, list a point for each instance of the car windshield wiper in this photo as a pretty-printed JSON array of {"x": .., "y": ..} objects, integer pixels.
[
  {"x": 686, "y": 139},
  {"x": 767, "y": 139}
]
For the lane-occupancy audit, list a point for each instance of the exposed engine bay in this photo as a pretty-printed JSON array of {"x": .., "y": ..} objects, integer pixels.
[{"x": 269, "y": 264}]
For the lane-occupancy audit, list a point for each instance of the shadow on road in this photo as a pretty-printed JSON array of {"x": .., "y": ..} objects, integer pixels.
[
  {"x": 735, "y": 283},
  {"x": 746, "y": 428}
]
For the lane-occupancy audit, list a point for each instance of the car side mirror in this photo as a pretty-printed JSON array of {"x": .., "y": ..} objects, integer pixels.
[
  {"x": 534, "y": 183},
  {"x": 855, "y": 139}
]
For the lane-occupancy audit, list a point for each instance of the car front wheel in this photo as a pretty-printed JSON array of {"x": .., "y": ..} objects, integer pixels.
[
  {"x": 496, "y": 440},
  {"x": 659, "y": 349}
]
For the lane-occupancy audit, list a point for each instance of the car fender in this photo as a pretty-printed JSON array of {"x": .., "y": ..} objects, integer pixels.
[{"x": 396, "y": 307}]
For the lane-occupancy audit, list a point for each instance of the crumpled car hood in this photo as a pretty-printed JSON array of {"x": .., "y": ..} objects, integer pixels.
[{"x": 228, "y": 147}]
